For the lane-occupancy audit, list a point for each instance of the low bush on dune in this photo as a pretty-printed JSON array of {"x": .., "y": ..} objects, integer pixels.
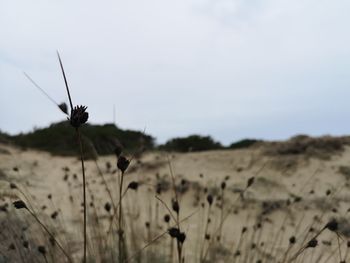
[
  {"x": 192, "y": 143},
  {"x": 58, "y": 139},
  {"x": 245, "y": 143}
]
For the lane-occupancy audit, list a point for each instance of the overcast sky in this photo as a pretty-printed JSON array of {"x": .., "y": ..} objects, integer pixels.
[{"x": 231, "y": 69}]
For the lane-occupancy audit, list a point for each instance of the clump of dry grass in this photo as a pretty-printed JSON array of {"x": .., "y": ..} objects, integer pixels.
[{"x": 321, "y": 147}]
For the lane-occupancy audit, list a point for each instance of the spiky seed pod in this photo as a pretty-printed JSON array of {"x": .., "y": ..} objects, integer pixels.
[
  {"x": 244, "y": 229},
  {"x": 210, "y": 199},
  {"x": 108, "y": 207},
  {"x": 42, "y": 250},
  {"x": 175, "y": 206},
  {"x": 292, "y": 240},
  {"x": 223, "y": 185},
  {"x": 250, "y": 181},
  {"x": 49, "y": 196},
  {"x": 332, "y": 225},
  {"x": 133, "y": 185},
  {"x": 147, "y": 224},
  {"x": 15, "y": 169},
  {"x": 123, "y": 163},
  {"x": 207, "y": 236},
  {"x": 78, "y": 116},
  {"x": 63, "y": 107},
  {"x": 328, "y": 192},
  {"x": 19, "y": 204},
  {"x": 312, "y": 243}
]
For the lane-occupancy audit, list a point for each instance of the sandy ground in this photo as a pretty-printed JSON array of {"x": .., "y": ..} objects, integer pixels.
[{"x": 277, "y": 179}]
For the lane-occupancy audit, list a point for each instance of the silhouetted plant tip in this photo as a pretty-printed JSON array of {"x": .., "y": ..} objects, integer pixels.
[
  {"x": 78, "y": 116},
  {"x": 63, "y": 107},
  {"x": 19, "y": 204},
  {"x": 250, "y": 181},
  {"x": 123, "y": 163},
  {"x": 133, "y": 185}
]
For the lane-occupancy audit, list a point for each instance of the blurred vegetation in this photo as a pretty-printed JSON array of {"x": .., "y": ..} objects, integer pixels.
[
  {"x": 61, "y": 139},
  {"x": 192, "y": 143},
  {"x": 245, "y": 143}
]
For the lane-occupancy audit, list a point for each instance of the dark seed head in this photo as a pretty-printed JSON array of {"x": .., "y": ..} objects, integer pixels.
[
  {"x": 12, "y": 247},
  {"x": 13, "y": 186},
  {"x": 133, "y": 185},
  {"x": 175, "y": 206},
  {"x": 42, "y": 250},
  {"x": 173, "y": 232},
  {"x": 167, "y": 218},
  {"x": 108, "y": 207},
  {"x": 312, "y": 243},
  {"x": 78, "y": 116},
  {"x": 292, "y": 240},
  {"x": 250, "y": 181},
  {"x": 25, "y": 244},
  {"x": 181, "y": 238},
  {"x": 123, "y": 163},
  {"x": 54, "y": 215},
  {"x": 19, "y": 204},
  {"x": 223, "y": 185},
  {"x": 210, "y": 199},
  {"x": 332, "y": 225}
]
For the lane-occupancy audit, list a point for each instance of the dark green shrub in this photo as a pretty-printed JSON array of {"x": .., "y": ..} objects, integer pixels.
[{"x": 193, "y": 143}]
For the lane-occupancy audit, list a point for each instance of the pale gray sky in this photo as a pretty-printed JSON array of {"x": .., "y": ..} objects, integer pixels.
[{"x": 227, "y": 68}]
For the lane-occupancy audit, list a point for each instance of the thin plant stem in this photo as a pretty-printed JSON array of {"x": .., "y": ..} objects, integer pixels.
[{"x": 84, "y": 188}]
